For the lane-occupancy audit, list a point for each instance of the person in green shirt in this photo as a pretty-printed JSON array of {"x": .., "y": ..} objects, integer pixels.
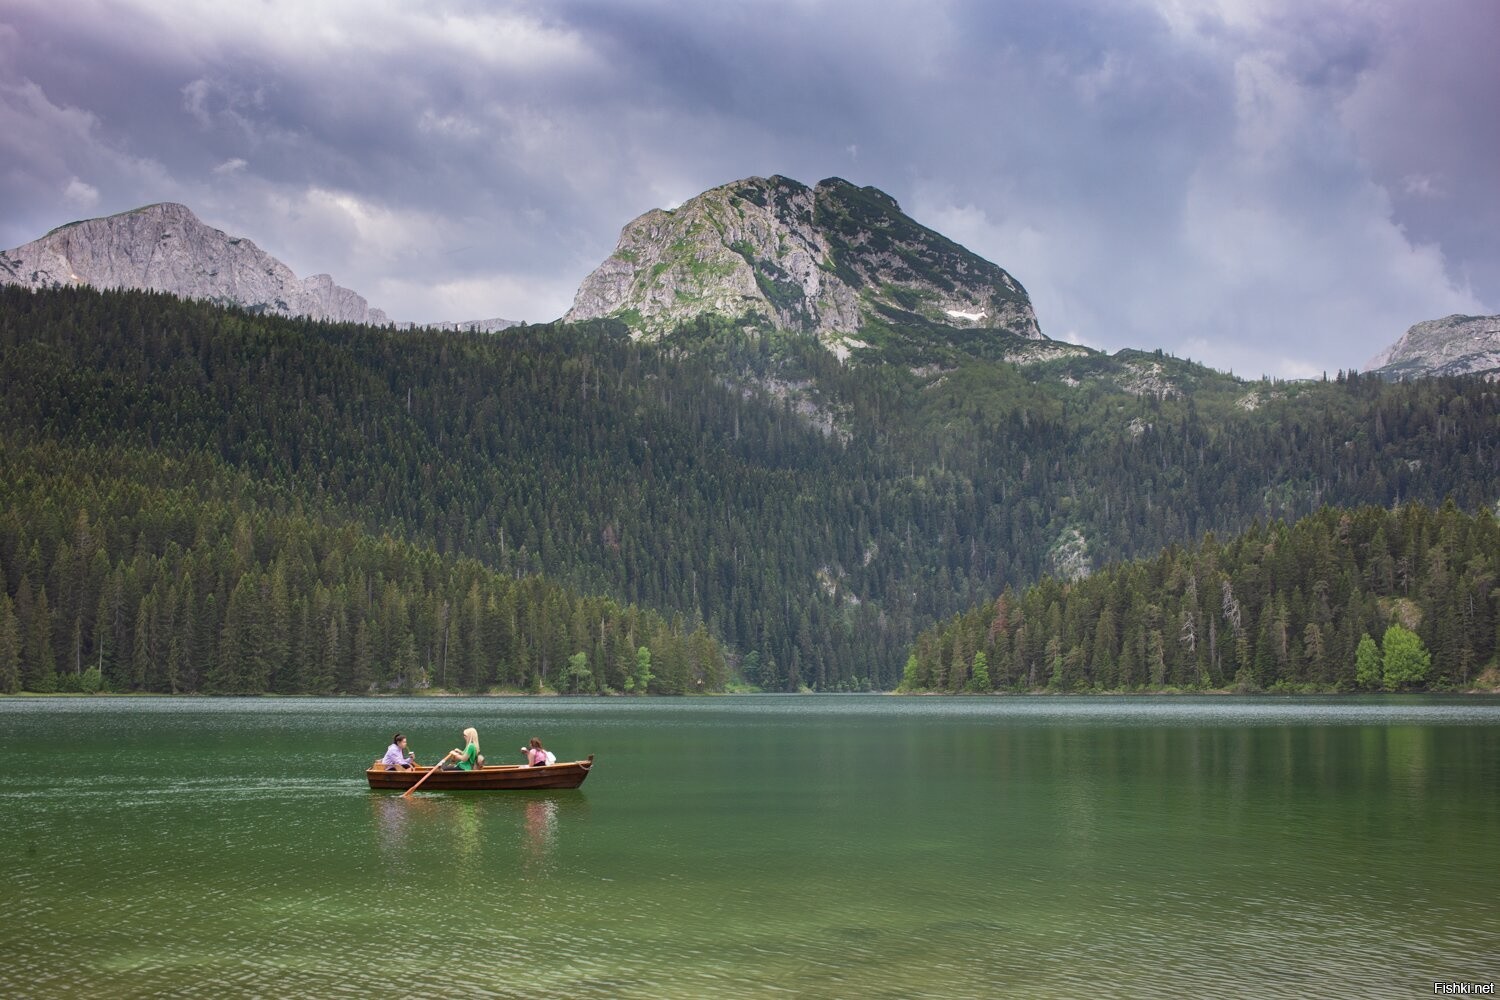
[{"x": 468, "y": 758}]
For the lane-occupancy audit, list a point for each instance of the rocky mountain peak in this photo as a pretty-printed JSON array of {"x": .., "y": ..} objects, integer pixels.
[
  {"x": 1454, "y": 345},
  {"x": 841, "y": 261},
  {"x": 165, "y": 248}
]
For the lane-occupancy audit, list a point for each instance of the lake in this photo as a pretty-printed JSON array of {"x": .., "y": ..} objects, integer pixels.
[{"x": 819, "y": 846}]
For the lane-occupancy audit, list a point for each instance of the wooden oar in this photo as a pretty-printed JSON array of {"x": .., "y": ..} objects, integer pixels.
[{"x": 430, "y": 772}]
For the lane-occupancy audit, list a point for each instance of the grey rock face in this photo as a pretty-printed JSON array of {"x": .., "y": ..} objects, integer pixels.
[
  {"x": 165, "y": 248},
  {"x": 834, "y": 260},
  {"x": 1454, "y": 345}
]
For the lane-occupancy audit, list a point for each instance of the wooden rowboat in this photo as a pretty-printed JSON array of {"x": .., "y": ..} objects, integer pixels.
[{"x": 490, "y": 778}]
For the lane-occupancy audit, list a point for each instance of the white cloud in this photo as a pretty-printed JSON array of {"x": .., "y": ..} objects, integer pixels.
[
  {"x": 1074, "y": 337},
  {"x": 307, "y": 34},
  {"x": 1422, "y": 186},
  {"x": 355, "y": 238},
  {"x": 43, "y": 141},
  {"x": 492, "y": 295},
  {"x": 195, "y": 96},
  {"x": 85, "y": 196}
]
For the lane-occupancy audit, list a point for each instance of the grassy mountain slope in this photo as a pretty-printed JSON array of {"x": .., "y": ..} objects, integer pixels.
[{"x": 839, "y": 262}]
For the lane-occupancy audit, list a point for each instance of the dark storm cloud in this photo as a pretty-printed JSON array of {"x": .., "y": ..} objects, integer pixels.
[
  {"x": 1230, "y": 181},
  {"x": 1428, "y": 126}
]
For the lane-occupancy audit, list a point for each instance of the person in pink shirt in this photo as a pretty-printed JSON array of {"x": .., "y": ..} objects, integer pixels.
[{"x": 536, "y": 756}]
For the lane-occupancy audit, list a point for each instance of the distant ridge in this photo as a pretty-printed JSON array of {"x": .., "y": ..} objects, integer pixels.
[
  {"x": 1454, "y": 345},
  {"x": 166, "y": 248},
  {"x": 468, "y": 325}
]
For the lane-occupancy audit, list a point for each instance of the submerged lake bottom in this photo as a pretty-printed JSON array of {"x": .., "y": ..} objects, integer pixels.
[{"x": 803, "y": 846}]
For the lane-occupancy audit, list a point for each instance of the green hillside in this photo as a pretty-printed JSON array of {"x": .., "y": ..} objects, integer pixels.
[
  {"x": 1280, "y": 607},
  {"x": 812, "y": 516}
]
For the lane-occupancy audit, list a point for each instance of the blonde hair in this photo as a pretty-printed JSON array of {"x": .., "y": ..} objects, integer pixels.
[{"x": 471, "y": 735}]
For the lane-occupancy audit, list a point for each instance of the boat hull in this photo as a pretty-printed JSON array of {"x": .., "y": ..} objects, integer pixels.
[{"x": 498, "y": 778}]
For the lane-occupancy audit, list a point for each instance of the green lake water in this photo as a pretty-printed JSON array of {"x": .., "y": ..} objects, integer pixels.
[{"x": 858, "y": 846}]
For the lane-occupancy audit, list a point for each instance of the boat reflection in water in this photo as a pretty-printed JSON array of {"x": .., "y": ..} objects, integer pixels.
[
  {"x": 399, "y": 823},
  {"x": 540, "y": 834},
  {"x": 527, "y": 826}
]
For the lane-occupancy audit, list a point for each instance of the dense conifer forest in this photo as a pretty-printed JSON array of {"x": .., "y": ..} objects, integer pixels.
[
  {"x": 469, "y": 510},
  {"x": 1296, "y": 607},
  {"x": 135, "y": 572}
]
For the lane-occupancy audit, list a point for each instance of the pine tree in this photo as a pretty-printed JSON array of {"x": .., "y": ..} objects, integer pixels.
[
  {"x": 980, "y": 680},
  {"x": 361, "y": 655},
  {"x": 1313, "y": 653},
  {"x": 141, "y": 668},
  {"x": 43, "y": 674},
  {"x": 10, "y": 646},
  {"x": 1367, "y": 663}
]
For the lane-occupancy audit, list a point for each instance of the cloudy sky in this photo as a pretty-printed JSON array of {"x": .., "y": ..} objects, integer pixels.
[{"x": 1268, "y": 186}]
